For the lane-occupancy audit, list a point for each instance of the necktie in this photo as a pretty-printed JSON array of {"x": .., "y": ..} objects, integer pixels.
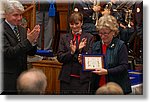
[
  {"x": 17, "y": 33},
  {"x": 76, "y": 38},
  {"x": 77, "y": 42}
]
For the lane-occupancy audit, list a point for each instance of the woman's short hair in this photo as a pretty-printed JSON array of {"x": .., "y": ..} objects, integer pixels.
[
  {"x": 108, "y": 21},
  {"x": 75, "y": 16}
]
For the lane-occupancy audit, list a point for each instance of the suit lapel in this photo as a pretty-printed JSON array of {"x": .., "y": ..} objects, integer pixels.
[
  {"x": 69, "y": 37},
  {"x": 9, "y": 31}
]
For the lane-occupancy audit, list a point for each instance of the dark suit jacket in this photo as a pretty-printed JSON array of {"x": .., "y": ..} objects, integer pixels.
[
  {"x": 14, "y": 56},
  {"x": 70, "y": 63}
]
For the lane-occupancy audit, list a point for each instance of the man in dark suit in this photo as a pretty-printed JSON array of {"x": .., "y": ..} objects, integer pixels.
[{"x": 17, "y": 44}]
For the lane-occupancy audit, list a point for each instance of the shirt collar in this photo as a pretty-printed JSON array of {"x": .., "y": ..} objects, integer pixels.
[
  {"x": 12, "y": 26},
  {"x": 74, "y": 33},
  {"x": 104, "y": 44}
]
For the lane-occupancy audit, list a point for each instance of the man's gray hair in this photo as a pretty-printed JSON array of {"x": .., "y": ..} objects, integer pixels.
[{"x": 11, "y": 5}]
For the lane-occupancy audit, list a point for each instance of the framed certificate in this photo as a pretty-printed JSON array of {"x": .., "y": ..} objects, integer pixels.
[{"x": 92, "y": 62}]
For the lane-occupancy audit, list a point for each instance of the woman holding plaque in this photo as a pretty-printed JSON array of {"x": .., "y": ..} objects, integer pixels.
[
  {"x": 72, "y": 79},
  {"x": 115, "y": 56}
]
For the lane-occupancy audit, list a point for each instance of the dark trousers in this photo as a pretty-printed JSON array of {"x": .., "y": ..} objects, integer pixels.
[
  {"x": 9, "y": 84},
  {"x": 75, "y": 87}
]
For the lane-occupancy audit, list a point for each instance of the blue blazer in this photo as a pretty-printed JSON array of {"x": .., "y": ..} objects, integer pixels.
[{"x": 116, "y": 63}]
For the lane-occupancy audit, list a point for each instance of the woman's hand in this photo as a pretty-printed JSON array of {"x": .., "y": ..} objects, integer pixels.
[
  {"x": 80, "y": 58},
  {"x": 101, "y": 71},
  {"x": 72, "y": 47},
  {"x": 82, "y": 43}
]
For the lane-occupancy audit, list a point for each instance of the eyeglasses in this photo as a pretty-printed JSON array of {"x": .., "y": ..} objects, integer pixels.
[{"x": 105, "y": 33}]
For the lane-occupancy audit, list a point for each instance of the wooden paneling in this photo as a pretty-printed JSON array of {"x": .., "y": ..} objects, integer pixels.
[
  {"x": 51, "y": 70},
  {"x": 30, "y": 15},
  {"x": 63, "y": 21},
  {"x": 62, "y": 9}
]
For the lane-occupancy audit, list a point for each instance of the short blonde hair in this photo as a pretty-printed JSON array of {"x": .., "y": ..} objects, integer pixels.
[
  {"x": 108, "y": 21},
  {"x": 111, "y": 88}
]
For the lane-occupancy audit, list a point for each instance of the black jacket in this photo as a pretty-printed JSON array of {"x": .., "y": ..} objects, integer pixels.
[
  {"x": 70, "y": 63},
  {"x": 14, "y": 55}
]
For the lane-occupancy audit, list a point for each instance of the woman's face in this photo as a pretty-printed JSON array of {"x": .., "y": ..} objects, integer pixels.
[
  {"x": 76, "y": 26},
  {"x": 106, "y": 35}
]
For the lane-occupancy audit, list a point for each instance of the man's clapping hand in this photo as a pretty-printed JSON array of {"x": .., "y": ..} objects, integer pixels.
[{"x": 34, "y": 34}]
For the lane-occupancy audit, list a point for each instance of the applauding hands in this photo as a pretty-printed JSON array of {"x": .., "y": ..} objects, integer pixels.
[
  {"x": 34, "y": 34},
  {"x": 82, "y": 44}
]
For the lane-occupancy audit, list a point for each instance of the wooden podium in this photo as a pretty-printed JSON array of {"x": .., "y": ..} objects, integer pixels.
[{"x": 51, "y": 70}]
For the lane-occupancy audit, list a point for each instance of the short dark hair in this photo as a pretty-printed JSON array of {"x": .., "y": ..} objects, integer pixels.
[{"x": 75, "y": 16}]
